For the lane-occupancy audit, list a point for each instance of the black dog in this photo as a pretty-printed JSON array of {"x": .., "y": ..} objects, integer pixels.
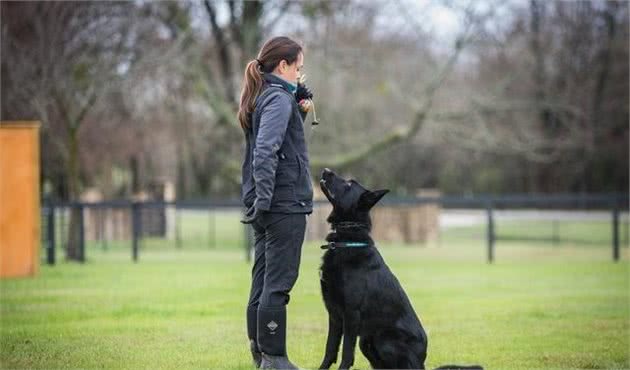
[{"x": 363, "y": 297}]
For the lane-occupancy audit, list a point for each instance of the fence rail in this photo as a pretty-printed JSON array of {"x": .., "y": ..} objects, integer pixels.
[{"x": 613, "y": 203}]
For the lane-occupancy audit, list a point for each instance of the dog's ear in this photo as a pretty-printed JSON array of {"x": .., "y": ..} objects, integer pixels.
[{"x": 370, "y": 198}]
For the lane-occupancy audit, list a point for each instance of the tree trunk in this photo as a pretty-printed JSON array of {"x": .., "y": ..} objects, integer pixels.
[
  {"x": 135, "y": 176},
  {"x": 73, "y": 250}
]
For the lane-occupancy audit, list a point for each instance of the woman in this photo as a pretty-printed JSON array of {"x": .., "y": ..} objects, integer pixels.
[{"x": 276, "y": 190}]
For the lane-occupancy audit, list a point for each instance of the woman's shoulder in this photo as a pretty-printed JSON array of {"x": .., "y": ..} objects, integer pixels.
[{"x": 273, "y": 96}]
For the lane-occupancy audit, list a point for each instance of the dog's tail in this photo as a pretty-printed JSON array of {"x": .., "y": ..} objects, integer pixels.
[{"x": 459, "y": 367}]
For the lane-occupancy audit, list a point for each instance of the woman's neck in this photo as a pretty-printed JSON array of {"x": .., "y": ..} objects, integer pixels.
[{"x": 292, "y": 85}]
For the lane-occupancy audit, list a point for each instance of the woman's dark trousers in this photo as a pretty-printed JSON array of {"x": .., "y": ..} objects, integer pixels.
[{"x": 278, "y": 247}]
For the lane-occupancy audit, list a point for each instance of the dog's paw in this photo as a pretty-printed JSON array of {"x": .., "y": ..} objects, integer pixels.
[
  {"x": 345, "y": 366},
  {"x": 326, "y": 363}
]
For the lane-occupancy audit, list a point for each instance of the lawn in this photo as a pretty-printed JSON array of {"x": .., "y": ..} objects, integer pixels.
[{"x": 538, "y": 306}]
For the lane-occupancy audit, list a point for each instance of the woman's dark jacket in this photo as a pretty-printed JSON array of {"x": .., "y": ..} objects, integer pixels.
[{"x": 275, "y": 170}]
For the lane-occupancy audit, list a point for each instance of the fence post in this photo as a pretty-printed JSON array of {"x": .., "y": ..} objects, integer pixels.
[
  {"x": 178, "y": 237},
  {"x": 81, "y": 233},
  {"x": 490, "y": 233},
  {"x": 615, "y": 231},
  {"x": 211, "y": 228},
  {"x": 63, "y": 233},
  {"x": 50, "y": 233},
  {"x": 103, "y": 227},
  {"x": 626, "y": 227},
  {"x": 136, "y": 229}
]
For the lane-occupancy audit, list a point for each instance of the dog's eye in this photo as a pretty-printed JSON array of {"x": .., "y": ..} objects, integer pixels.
[{"x": 348, "y": 185}]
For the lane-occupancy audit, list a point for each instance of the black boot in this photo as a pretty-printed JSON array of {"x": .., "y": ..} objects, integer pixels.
[
  {"x": 252, "y": 315},
  {"x": 256, "y": 355},
  {"x": 276, "y": 362},
  {"x": 272, "y": 336}
]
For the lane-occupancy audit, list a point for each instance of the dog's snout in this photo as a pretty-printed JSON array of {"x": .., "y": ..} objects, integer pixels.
[{"x": 326, "y": 173}]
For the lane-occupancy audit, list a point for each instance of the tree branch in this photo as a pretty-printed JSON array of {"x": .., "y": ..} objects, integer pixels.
[
  {"x": 282, "y": 10},
  {"x": 224, "y": 53},
  {"x": 399, "y": 135}
]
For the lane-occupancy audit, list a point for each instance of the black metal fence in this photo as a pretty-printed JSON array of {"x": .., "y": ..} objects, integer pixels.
[
  {"x": 140, "y": 220},
  {"x": 613, "y": 203},
  {"x": 56, "y": 218}
]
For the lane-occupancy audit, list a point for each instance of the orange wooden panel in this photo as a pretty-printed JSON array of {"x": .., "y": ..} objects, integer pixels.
[{"x": 19, "y": 199}]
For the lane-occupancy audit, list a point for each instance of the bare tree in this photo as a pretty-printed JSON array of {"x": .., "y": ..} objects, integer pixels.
[
  {"x": 159, "y": 82},
  {"x": 59, "y": 59}
]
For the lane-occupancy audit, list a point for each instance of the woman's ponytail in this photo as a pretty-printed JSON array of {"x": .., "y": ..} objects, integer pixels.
[
  {"x": 252, "y": 83},
  {"x": 272, "y": 53}
]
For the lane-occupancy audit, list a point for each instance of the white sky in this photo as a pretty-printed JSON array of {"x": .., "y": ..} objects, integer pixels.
[
  {"x": 427, "y": 14},
  {"x": 439, "y": 18}
]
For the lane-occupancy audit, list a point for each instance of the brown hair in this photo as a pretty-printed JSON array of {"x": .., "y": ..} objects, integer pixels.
[{"x": 271, "y": 54}]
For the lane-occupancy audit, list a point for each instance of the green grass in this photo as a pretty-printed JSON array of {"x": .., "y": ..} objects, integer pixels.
[{"x": 536, "y": 307}]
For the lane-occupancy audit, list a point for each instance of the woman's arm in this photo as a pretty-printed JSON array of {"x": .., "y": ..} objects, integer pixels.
[{"x": 274, "y": 119}]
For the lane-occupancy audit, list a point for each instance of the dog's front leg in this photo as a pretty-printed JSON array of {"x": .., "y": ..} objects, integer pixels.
[
  {"x": 335, "y": 331},
  {"x": 351, "y": 322}
]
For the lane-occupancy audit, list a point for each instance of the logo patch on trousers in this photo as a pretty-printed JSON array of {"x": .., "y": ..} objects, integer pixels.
[{"x": 272, "y": 325}]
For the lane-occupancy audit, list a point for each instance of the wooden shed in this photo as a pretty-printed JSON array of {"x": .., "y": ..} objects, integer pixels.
[{"x": 19, "y": 198}]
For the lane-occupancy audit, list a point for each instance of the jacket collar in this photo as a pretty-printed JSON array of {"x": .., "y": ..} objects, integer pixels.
[{"x": 274, "y": 80}]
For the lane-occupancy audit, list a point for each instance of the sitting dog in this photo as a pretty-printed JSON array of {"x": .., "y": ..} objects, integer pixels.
[{"x": 362, "y": 296}]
